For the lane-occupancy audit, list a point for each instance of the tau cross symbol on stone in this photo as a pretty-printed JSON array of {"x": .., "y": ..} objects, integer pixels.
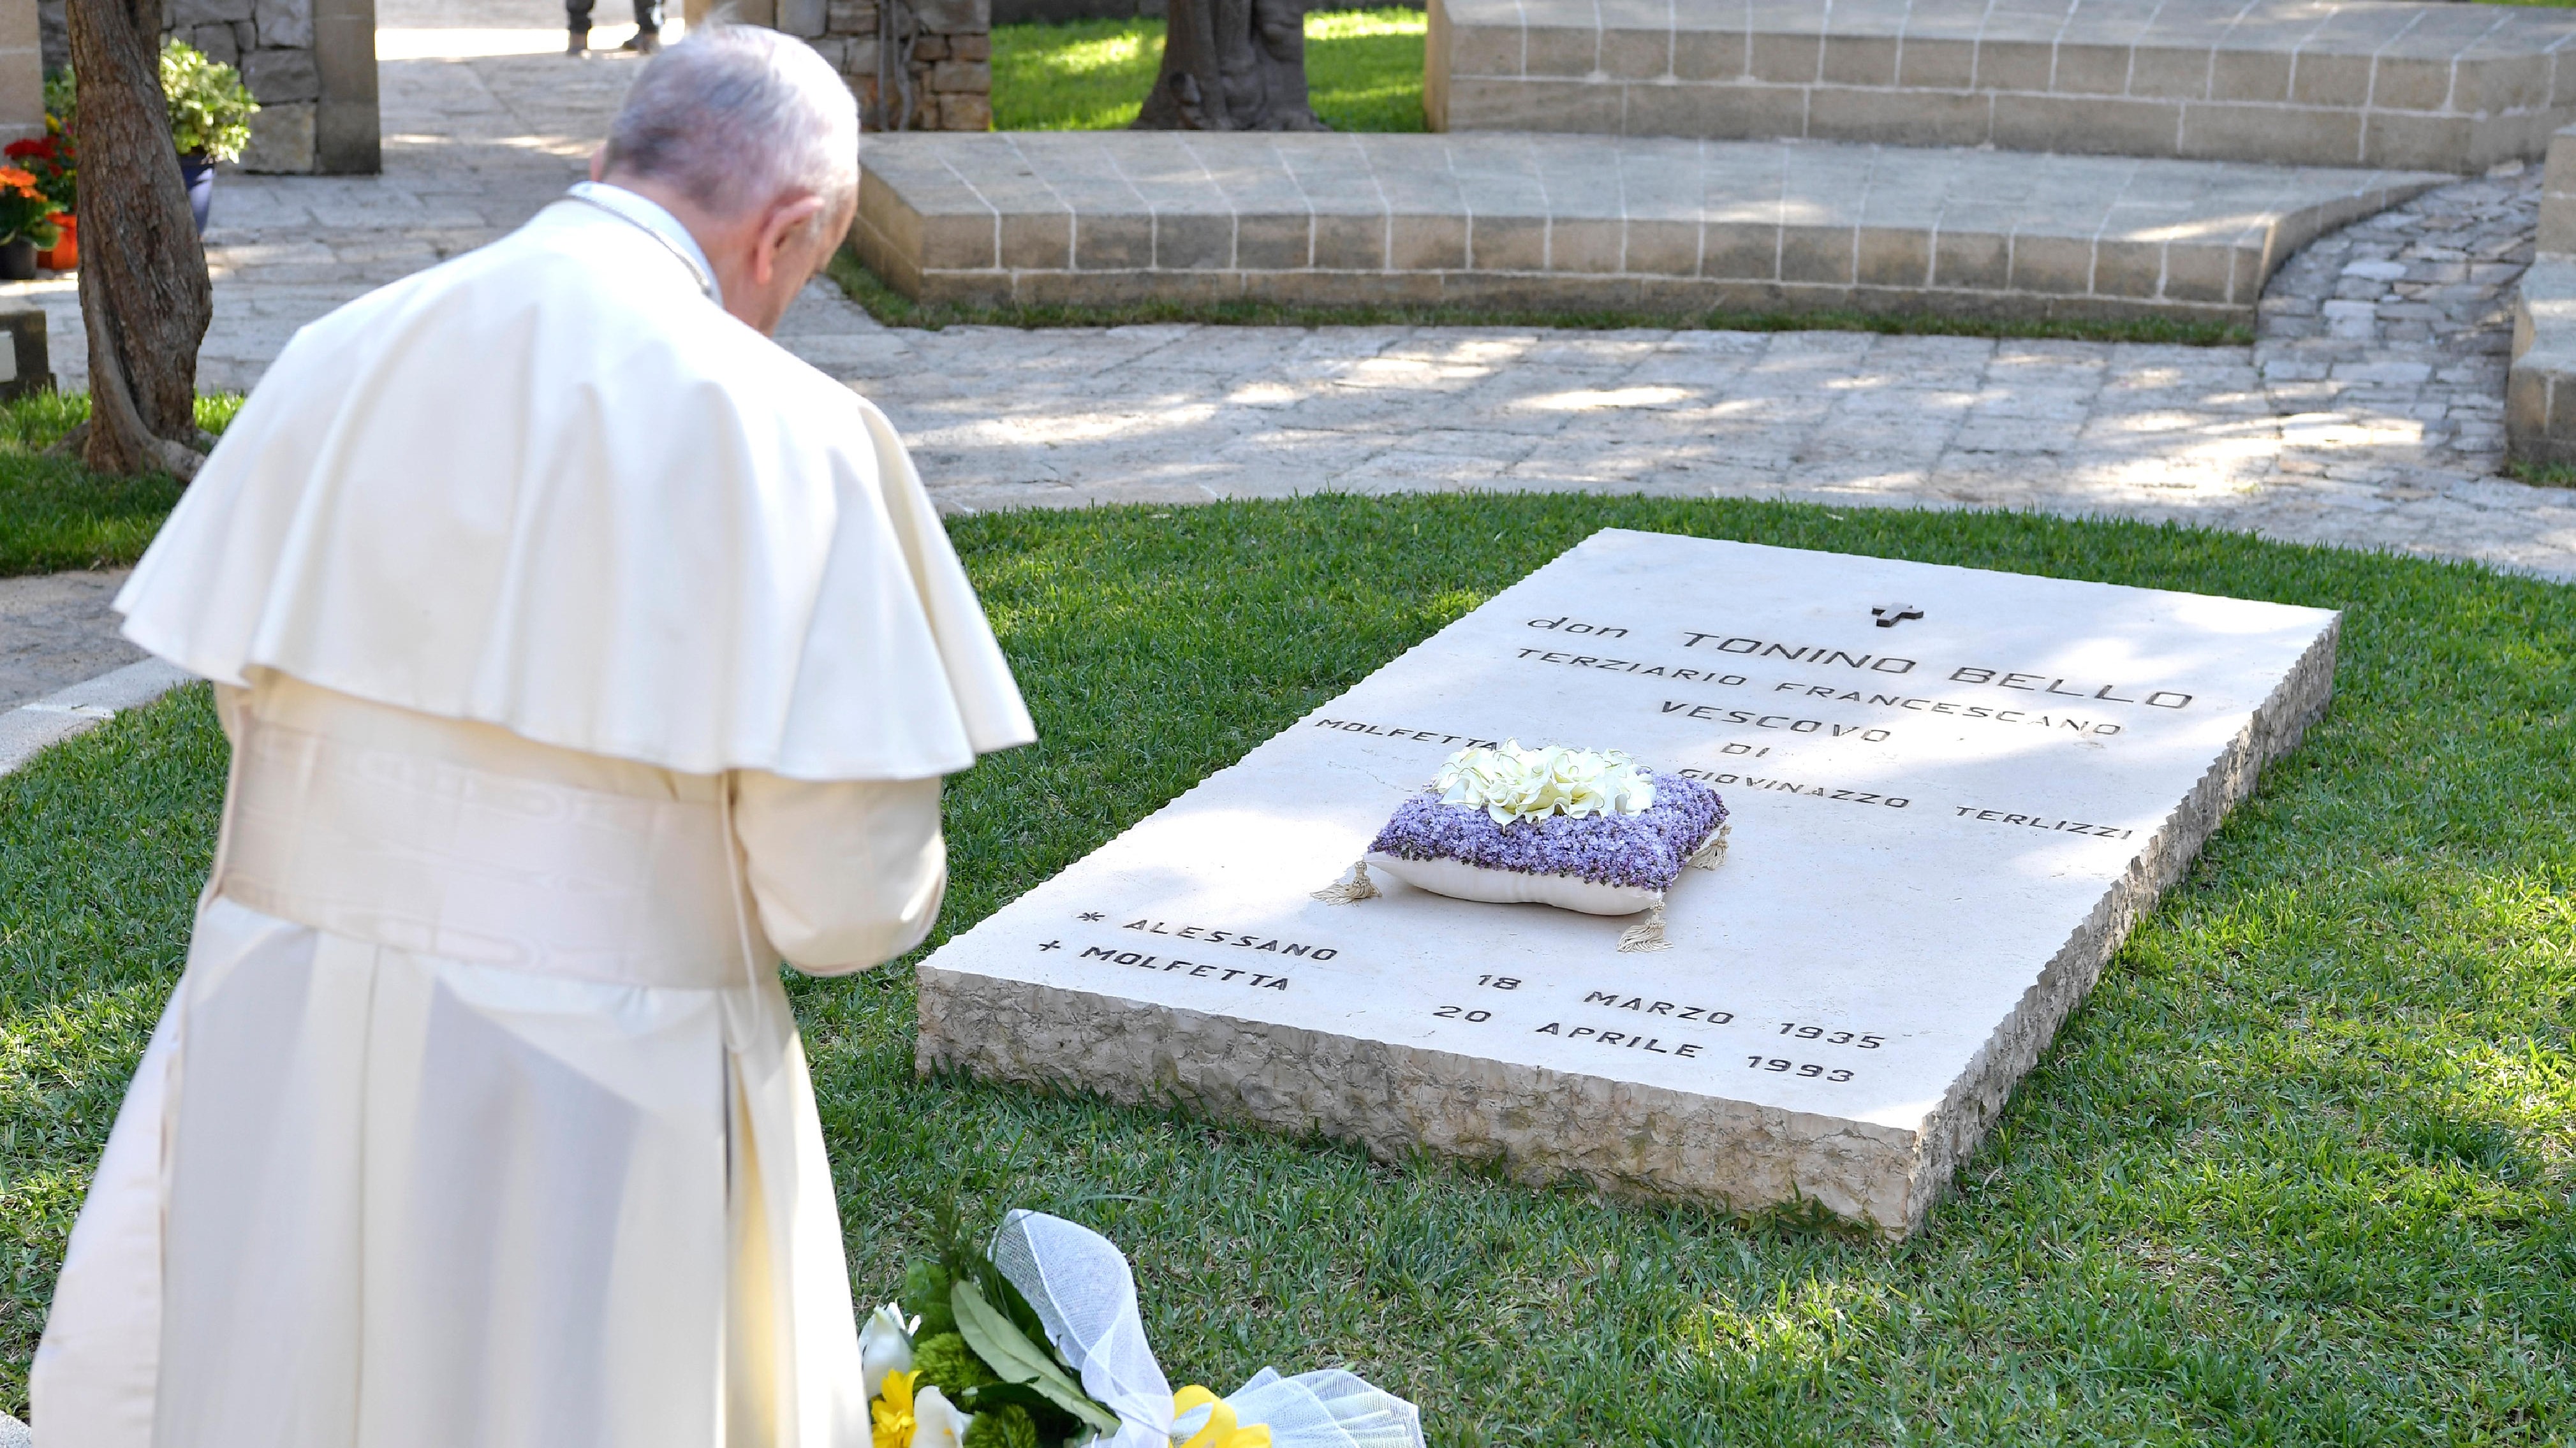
[
  {"x": 1889, "y": 615},
  {"x": 1052, "y": 945}
]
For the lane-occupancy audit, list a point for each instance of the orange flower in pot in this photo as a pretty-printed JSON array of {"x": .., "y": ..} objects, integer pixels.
[
  {"x": 26, "y": 226},
  {"x": 49, "y": 160}
]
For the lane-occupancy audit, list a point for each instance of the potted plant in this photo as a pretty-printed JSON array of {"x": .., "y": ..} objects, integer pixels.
[
  {"x": 49, "y": 160},
  {"x": 210, "y": 111},
  {"x": 25, "y": 224}
]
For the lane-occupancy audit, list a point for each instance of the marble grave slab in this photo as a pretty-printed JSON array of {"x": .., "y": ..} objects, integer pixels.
[{"x": 1952, "y": 791}]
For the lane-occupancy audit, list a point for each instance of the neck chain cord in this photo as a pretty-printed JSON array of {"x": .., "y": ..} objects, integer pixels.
[{"x": 706, "y": 283}]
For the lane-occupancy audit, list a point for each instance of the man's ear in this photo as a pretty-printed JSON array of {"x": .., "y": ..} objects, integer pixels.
[
  {"x": 779, "y": 228},
  {"x": 599, "y": 161}
]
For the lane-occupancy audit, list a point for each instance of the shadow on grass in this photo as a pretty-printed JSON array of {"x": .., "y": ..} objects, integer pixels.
[
  {"x": 1363, "y": 71},
  {"x": 57, "y": 515}
]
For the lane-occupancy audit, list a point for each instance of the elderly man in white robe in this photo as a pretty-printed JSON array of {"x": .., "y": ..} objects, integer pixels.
[{"x": 583, "y": 654}]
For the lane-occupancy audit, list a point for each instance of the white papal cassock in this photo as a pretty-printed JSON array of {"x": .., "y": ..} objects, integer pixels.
[{"x": 583, "y": 653}]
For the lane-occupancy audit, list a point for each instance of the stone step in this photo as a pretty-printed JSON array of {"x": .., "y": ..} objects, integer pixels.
[
  {"x": 1581, "y": 223},
  {"x": 2447, "y": 87},
  {"x": 2540, "y": 387}
]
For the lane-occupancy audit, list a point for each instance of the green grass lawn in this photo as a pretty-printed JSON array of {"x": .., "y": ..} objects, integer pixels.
[
  {"x": 2297, "y": 1174},
  {"x": 2542, "y": 475},
  {"x": 56, "y": 514},
  {"x": 1363, "y": 71}
]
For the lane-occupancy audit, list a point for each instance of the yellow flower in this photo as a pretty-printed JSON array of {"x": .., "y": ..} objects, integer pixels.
[
  {"x": 892, "y": 1411},
  {"x": 1219, "y": 1431}
]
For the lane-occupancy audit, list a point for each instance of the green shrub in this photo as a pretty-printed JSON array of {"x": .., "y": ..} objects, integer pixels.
[{"x": 210, "y": 108}]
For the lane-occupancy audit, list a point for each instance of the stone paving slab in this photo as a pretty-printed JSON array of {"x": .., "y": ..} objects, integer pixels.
[
  {"x": 57, "y": 629},
  {"x": 1006, "y": 419},
  {"x": 1588, "y": 223},
  {"x": 2392, "y": 337},
  {"x": 2446, "y": 87}
]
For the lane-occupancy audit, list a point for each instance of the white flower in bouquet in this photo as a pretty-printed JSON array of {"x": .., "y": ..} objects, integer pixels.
[
  {"x": 936, "y": 1423},
  {"x": 885, "y": 1346},
  {"x": 1511, "y": 783}
]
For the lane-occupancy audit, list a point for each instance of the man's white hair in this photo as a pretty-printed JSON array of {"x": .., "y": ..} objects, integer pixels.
[{"x": 736, "y": 116}]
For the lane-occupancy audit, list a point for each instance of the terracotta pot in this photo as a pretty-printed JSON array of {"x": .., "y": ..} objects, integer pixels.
[
  {"x": 17, "y": 260},
  {"x": 64, "y": 254}
]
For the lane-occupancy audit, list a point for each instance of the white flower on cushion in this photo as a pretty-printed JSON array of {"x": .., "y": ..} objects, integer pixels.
[
  {"x": 885, "y": 1346},
  {"x": 936, "y": 1421},
  {"x": 1512, "y": 783}
]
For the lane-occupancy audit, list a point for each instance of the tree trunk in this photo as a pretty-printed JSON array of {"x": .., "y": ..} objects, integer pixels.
[
  {"x": 1232, "y": 65},
  {"x": 145, "y": 297}
]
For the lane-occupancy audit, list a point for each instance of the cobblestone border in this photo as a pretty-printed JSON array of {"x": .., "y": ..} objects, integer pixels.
[{"x": 2396, "y": 332}]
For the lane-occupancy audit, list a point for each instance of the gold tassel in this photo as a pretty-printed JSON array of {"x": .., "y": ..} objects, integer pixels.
[
  {"x": 1712, "y": 851},
  {"x": 1352, "y": 888},
  {"x": 1646, "y": 934}
]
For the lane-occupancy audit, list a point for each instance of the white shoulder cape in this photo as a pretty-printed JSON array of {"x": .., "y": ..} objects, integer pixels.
[{"x": 549, "y": 485}]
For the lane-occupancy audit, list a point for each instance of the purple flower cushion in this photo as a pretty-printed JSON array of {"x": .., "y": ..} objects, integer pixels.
[{"x": 1602, "y": 864}]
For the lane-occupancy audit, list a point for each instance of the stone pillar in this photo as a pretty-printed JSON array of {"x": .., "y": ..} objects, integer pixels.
[
  {"x": 312, "y": 66},
  {"x": 348, "y": 130},
  {"x": 22, "y": 72}
]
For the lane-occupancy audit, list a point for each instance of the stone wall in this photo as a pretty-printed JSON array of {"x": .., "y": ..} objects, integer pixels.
[
  {"x": 312, "y": 65},
  {"x": 939, "y": 51}
]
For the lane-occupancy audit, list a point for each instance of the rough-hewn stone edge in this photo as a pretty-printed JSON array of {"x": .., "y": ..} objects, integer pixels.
[
  {"x": 2540, "y": 387},
  {"x": 1539, "y": 1125},
  {"x": 1954, "y": 1129}
]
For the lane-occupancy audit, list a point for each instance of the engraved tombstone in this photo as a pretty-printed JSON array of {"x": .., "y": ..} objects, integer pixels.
[{"x": 1952, "y": 792}]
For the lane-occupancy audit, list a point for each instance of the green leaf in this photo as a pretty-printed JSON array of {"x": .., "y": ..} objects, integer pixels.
[{"x": 1009, "y": 1353}]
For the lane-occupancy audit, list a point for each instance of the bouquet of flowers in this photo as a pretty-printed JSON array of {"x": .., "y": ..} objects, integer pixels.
[
  {"x": 1039, "y": 1344},
  {"x": 1582, "y": 829}
]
